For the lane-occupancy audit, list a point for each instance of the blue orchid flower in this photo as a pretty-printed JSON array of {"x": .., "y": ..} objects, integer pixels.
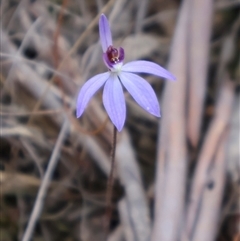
[{"x": 119, "y": 75}]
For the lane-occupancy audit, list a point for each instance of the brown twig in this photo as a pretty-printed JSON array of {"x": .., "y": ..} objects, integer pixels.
[
  {"x": 37, "y": 209},
  {"x": 172, "y": 156},
  {"x": 206, "y": 226},
  {"x": 199, "y": 44},
  {"x": 218, "y": 125}
]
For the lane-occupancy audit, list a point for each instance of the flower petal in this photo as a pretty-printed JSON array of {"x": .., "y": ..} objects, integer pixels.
[
  {"x": 114, "y": 102},
  {"x": 148, "y": 67},
  {"x": 121, "y": 54},
  {"x": 106, "y": 61},
  {"x": 105, "y": 33},
  {"x": 141, "y": 91},
  {"x": 88, "y": 90}
]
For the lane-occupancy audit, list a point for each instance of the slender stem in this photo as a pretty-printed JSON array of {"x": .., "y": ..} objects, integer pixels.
[{"x": 110, "y": 181}]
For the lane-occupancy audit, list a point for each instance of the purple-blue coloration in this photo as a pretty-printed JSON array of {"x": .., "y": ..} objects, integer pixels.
[{"x": 119, "y": 75}]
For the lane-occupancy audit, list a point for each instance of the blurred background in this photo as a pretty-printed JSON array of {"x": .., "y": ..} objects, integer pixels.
[{"x": 176, "y": 178}]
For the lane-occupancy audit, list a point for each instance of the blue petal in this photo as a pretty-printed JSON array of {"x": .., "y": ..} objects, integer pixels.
[
  {"x": 114, "y": 102},
  {"x": 105, "y": 33},
  {"x": 141, "y": 91},
  {"x": 147, "y": 67},
  {"x": 88, "y": 90}
]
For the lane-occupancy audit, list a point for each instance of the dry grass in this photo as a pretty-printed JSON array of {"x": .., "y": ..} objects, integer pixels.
[{"x": 177, "y": 177}]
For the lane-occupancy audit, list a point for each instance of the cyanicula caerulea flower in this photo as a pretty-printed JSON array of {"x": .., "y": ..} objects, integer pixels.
[{"x": 119, "y": 75}]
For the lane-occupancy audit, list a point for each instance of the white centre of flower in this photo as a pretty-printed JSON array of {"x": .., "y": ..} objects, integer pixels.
[{"x": 117, "y": 68}]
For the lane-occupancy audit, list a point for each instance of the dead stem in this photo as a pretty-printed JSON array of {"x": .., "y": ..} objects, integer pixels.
[{"x": 39, "y": 203}]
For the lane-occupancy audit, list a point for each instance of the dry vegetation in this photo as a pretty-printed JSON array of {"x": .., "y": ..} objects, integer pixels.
[{"x": 177, "y": 178}]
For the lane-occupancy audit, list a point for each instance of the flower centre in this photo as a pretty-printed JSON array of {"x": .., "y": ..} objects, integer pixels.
[{"x": 113, "y": 55}]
